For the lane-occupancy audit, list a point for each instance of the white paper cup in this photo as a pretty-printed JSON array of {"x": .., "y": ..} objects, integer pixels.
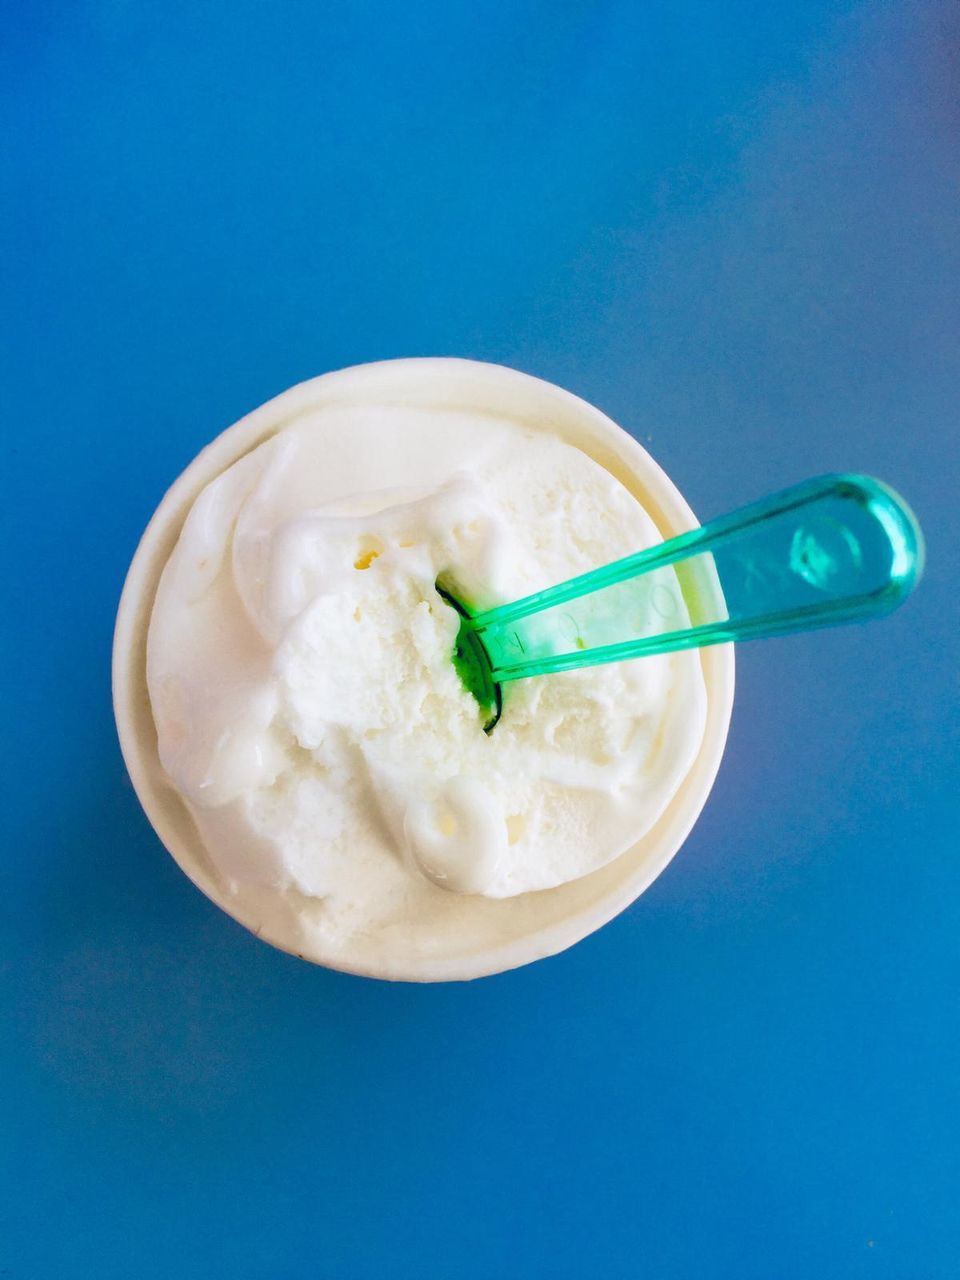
[{"x": 478, "y": 935}]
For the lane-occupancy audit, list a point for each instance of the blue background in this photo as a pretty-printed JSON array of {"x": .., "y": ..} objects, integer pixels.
[{"x": 734, "y": 227}]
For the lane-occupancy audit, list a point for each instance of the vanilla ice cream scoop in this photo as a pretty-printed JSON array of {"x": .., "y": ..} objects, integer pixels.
[{"x": 300, "y": 676}]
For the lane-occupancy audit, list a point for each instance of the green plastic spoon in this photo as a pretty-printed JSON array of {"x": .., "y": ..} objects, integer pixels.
[{"x": 834, "y": 549}]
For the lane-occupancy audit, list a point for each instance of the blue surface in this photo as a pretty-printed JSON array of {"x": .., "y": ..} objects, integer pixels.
[{"x": 733, "y": 227}]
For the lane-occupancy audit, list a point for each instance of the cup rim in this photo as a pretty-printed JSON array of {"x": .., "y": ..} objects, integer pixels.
[{"x": 619, "y": 452}]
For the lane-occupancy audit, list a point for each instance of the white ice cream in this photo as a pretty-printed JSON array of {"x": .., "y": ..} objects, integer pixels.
[{"x": 300, "y": 674}]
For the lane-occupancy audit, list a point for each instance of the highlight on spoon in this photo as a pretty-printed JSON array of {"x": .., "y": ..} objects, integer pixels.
[{"x": 827, "y": 551}]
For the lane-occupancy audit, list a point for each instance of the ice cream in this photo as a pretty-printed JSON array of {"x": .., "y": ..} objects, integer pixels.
[
  {"x": 242, "y": 582},
  {"x": 300, "y": 676}
]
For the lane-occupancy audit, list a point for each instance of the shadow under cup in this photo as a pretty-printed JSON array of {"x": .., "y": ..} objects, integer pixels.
[{"x": 474, "y": 935}]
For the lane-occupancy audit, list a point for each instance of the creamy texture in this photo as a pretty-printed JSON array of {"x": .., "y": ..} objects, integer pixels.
[{"x": 300, "y": 674}]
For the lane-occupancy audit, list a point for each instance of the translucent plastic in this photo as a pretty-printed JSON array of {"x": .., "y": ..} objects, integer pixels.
[{"x": 830, "y": 550}]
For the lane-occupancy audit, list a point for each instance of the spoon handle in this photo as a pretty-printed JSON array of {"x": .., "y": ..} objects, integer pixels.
[{"x": 830, "y": 550}]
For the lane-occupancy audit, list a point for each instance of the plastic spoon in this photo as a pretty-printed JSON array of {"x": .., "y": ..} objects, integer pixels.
[{"x": 831, "y": 550}]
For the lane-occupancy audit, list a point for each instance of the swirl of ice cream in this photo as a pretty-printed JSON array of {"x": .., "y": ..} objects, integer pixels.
[{"x": 300, "y": 675}]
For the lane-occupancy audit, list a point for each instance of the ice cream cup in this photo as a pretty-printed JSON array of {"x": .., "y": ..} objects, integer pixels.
[{"x": 481, "y": 936}]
